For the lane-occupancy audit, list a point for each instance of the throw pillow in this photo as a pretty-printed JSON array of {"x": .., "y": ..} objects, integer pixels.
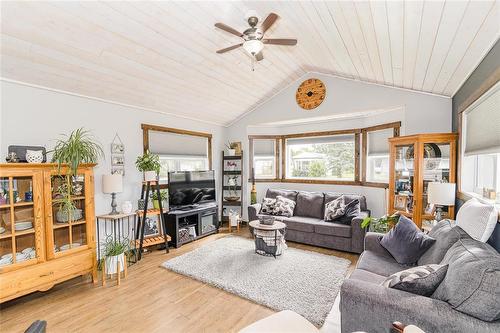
[
  {"x": 283, "y": 206},
  {"x": 267, "y": 206},
  {"x": 421, "y": 280},
  {"x": 352, "y": 209},
  {"x": 472, "y": 283},
  {"x": 335, "y": 209},
  {"x": 405, "y": 242},
  {"x": 477, "y": 219}
]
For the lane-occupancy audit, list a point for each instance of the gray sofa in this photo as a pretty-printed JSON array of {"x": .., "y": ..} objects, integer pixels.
[
  {"x": 365, "y": 305},
  {"x": 307, "y": 225}
]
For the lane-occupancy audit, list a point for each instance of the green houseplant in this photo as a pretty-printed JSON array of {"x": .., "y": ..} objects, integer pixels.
[
  {"x": 149, "y": 164},
  {"x": 73, "y": 149},
  {"x": 156, "y": 199},
  {"x": 382, "y": 224},
  {"x": 114, "y": 252}
]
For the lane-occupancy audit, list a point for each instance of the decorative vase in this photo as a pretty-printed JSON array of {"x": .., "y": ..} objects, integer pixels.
[
  {"x": 127, "y": 207},
  {"x": 63, "y": 216},
  {"x": 231, "y": 152},
  {"x": 111, "y": 263},
  {"x": 34, "y": 156},
  {"x": 149, "y": 176}
]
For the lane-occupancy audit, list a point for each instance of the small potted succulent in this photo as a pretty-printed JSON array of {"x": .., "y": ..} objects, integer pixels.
[
  {"x": 382, "y": 224},
  {"x": 149, "y": 164},
  {"x": 114, "y": 252},
  {"x": 230, "y": 150},
  {"x": 156, "y": 200}
]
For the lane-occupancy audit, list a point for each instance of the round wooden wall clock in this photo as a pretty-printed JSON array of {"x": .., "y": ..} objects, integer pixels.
[{"x": 310, "y": 94}]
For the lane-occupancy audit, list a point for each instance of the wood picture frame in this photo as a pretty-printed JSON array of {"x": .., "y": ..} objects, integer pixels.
[{"x": 400, "y": 202}]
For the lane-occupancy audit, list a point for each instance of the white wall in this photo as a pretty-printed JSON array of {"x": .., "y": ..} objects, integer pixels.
[
  {"x": 418, "y": 112},
  {"x": 34, "y": 116}
]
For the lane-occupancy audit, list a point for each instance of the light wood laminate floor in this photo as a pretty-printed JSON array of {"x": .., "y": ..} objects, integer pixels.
[{"x": 150, "y": 299}]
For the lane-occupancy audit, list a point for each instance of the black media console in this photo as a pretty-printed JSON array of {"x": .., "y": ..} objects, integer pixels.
[{"x": 185, "y": 226}]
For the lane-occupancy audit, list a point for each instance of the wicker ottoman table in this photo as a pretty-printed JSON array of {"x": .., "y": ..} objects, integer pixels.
[{"x": 269, "y": 239}]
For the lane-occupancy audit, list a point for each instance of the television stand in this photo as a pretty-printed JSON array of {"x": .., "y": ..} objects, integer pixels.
[{"x": 187, "y": 225}]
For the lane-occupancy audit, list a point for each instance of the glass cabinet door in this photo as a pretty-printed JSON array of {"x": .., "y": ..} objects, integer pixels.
[
  {"x": 435, "y": 168},
  {"x": 68, "y": 212},
  {"x": 404, "y": 179},
  {"x": 17, "y": 221}
]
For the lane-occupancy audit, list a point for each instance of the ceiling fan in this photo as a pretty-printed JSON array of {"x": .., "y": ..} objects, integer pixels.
[{"x": 253, "y": 37}]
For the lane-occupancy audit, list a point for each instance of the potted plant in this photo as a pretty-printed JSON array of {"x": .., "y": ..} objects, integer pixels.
[
  {"x": 114, "y": 252},
  {"x": 149, "y": 164},
  {"x": 76, "y": 148},
  {"x": 230, "y": 150},
  {"x": 382, "y": 224},
  {"x": 156, "y": 200}
]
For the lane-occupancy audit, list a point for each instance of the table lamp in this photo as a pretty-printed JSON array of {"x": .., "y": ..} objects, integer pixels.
[
  {"x": 441, "y": 194},
  {"x": 112, "y": 184}
]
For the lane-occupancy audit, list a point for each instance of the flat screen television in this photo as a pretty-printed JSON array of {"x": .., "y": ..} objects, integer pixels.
[{"x": 187, "y": 189}]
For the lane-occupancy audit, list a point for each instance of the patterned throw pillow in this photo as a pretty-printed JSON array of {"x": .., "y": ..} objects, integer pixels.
[
  {"x": 283, "y": 206},
  {"x": 421, "y": 280},
  {"x": 335, "y": 209},
  {"x": 267, "y": 206}
]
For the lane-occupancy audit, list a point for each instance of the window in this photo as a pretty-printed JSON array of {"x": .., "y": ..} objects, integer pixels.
[
  {"x": 480, "y": 147},
  {"x": 264, "y": 157},
  {"x": 179, "y": 150},
  {"x": 321, "y": 157}
]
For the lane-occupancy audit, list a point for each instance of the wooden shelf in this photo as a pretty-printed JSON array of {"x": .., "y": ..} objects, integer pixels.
[
  {"x": 23, "y": 203},
  {"x": 235, "y": 172},
  {"x": 150, "y": 212},
  {"x": 231, "y": 203},
  {"x": 6, "y": 234},
  {"x": 152, "y": 241},
  {"x": 79, "y": 197},
  {"x": 60, "y": 225},
  {"x": 79, "y": 222},
  {"x": 235, "y": 157},
  {"x": 230, "y": 188},
  {"x": 25, "y": 232},
  {"x": 5, "y": 206}
]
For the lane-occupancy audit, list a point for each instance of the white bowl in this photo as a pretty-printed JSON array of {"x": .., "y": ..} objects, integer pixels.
[
  {"x": 28, "y": 250},
  {"x": 2, "y": 230},
  {"x": 67, "y": 246},
  {"x": 7, "y": 256}
]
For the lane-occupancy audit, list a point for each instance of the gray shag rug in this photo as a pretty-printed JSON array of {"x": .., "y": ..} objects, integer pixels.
[{"x": 303, "y": 281}]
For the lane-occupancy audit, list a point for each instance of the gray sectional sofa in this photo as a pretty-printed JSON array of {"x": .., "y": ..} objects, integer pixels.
[
  {"x": 307, "y": 225},
  {"x": 469, "y": 291}
]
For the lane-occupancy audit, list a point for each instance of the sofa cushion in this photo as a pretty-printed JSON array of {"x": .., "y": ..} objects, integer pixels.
[
  {"x": 332, "y": 228},
  {"x": 421, "y": 280},
  {"x": 366, "y": 276},
  {"x": 309, "y": 204},
  {"x": 267, "y": 206},
  {"x": 445, "y": 235},
  {"x": 472, "y": 283},
  {"x": 283, "y": 206},
  {"x": 329, "y": 196},
  {"x": 335, "y": 209},
  {"x": 477, "y": 219},
  {"x": 299, "y": 223},
  {"x": 352, "y": 209},
  {"x": 405, "y": 242},
  {"x": 272, "y": 193},
  {"x": 379, "y": 264}
]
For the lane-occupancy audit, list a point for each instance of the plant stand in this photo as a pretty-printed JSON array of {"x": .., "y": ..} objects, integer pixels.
[{"x": 118, "y": 272}]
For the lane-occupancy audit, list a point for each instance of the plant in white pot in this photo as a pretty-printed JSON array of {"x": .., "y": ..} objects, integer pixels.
[
  {"x": 114, "y": 252},
  {"x": 230, "y": 149},
  {"x": 149, "y": 164}
]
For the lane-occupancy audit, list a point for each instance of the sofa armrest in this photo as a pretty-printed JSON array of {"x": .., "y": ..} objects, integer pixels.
[
  {"x": 372, "y": 243},
  {"x": 365, "y": 306},
  {"x": 358, "y": 233},
  {"x": 253, "y": 210}
]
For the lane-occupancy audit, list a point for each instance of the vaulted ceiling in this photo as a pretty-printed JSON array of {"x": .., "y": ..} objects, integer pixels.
[{"x": 161, "y": 55}]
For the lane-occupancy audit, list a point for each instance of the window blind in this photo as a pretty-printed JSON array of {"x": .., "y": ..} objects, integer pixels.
[
  {"x": 263, "y": 147},
  {"x": 482, "y": 124},
  {"x": 165, "y": 143},
  {"x": 378, "y": 143},
  {"x": 320, "y": 139}
]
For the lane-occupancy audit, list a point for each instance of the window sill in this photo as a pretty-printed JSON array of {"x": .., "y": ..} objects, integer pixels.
[{"x": 323, "y": 182}]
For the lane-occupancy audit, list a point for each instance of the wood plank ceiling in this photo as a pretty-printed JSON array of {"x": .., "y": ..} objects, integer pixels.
[{"x": 161, "y": 55}]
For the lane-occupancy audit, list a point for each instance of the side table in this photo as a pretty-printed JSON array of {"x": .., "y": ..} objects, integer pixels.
[
  {"x": 115, "y": 227},
  {"x": 269, "y": 239}
]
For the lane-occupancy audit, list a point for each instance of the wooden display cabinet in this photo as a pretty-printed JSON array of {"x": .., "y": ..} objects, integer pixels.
[
  {"x": 416, "y": 160},
  {"x": 45, "y": 246}
]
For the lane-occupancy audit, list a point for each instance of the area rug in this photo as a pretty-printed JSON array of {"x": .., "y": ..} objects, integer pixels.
[{"x": 303, "y": 281}]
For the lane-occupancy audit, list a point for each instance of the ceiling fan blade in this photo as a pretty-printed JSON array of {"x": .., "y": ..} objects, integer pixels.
[
  {"x": 268, "y": 22},
  {"x": 259, "y": 56},
  {"x": 280, "y": 41},
  {"x": 229, "y": 48},
  {"x": 228, "y": 29}
]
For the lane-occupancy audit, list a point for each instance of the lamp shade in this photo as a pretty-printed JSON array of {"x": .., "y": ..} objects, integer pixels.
[
  {"x": 441, "y": 193},
  {"x": 112, "y": 183}
]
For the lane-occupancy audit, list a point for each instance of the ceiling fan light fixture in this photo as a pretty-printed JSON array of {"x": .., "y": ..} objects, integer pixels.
[{"x": 253, "y": 46}]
